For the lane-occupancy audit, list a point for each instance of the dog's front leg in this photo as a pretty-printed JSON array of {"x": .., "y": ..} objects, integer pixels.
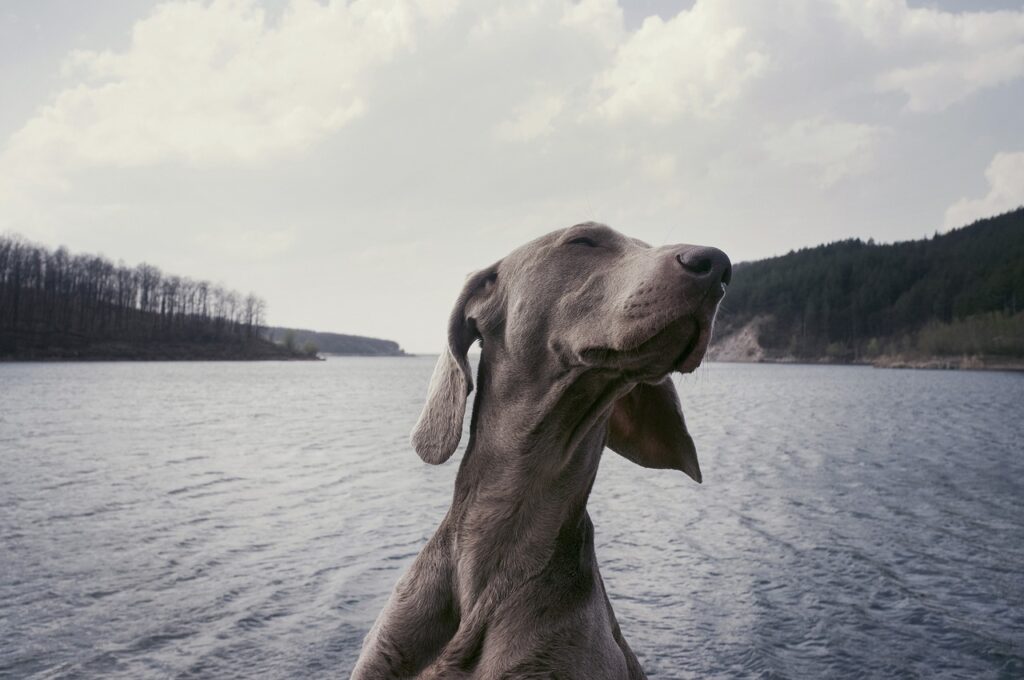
[{"x": 419, "y": 619}]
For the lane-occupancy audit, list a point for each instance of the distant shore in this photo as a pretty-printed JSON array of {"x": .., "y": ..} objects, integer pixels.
[
  {"x": 921, "y": 363},
  {"x": 162, "y": 351},
  {"x": 744, "y": 346},
  {"x": 339, "y": 344},
  {"x": 968, "y": 363},
  {"x": 342, "y": 355}
]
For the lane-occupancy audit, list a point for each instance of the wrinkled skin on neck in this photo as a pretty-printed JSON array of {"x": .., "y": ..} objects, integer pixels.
[
  {"x": 579, "y": 330},
  {"x": 529, "y": 467}
]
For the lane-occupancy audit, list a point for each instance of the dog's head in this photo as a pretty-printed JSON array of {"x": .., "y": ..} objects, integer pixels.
[{"x": 588, "y": 299}]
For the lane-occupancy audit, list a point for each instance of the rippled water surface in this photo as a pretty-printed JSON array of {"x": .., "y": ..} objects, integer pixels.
[{"x": 249, "y": 519}]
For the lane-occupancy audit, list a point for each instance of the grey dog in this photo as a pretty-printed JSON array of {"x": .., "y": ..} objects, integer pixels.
[{"x": 579, "y": 330}]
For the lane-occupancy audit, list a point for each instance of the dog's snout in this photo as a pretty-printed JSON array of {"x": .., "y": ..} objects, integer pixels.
[{"x": 706, "y": 262}]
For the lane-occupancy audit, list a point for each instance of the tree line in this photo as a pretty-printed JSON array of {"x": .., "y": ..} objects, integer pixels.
[
  {"x": 852, "y": 299},
  {"x": 334, "y": 343},
  {"x": 55, "y": 298}
]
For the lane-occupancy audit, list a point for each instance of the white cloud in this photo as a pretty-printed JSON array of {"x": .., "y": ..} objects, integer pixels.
[
  {"x": 1005, "y": 175},
  {"x": 532, "y": 119},
  {"x": 235, "y": 242},
  {"x": 218, "y": 82},
  {"x": 703, "y": 60},
  {"x": 222, "y": 82},
  {"x": 831, "y": 149},
  {"x": 659, "y": 166},
  {"x": 599, "y": 18},
  {"x": 696, "y": 62},
  {"x": 937, "y": 58}
]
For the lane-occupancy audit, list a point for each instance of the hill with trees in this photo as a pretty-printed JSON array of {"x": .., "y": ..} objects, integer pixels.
[
  {"x": 334, "y": 343},
  {"x": 56, "y": 305},
  {"x": 956, "y": 299}
]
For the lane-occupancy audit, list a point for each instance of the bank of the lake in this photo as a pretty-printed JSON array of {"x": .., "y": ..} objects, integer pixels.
[
  {"x": 967, "y": 363},
  {"x": 745, "y": 346},
  {"x": 222, "y": 350}
]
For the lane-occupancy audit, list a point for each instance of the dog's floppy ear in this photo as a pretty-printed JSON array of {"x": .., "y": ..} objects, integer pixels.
[
  {"x": 647, "y": 427},
  {"x": 439, "y": 428}
]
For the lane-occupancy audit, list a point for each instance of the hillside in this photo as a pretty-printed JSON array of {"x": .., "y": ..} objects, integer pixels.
[
  {"x": 953, "y": 299},
  {"x": 334, "y": 343},
  {"x": 55, "y": 305}
]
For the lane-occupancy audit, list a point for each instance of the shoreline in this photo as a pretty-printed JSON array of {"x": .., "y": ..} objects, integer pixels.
[
  {"x": 141, "y": 360},
  {"x": 179, "y": 357},
  {"x": 159, "y": 351},
  {"x": 898, "y": 363}
]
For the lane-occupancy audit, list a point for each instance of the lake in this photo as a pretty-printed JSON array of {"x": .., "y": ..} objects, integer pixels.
[{"x": 238, "y": 520}]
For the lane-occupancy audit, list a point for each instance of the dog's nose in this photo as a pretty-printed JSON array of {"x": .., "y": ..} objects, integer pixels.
[{"x": 706, "y": 262}]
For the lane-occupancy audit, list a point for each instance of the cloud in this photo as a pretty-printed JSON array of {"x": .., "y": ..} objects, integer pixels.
[
  {"x": 223, "y": 82},
  {"x": 219, "y": 82},
  {"x": 696, "y": 62},
  {"x": 602, "y": 19},
  {"x": 707, "y": 58},
  {"x": 235, "y": 242},
  {"x": 937, "y": 58},
  {"x": 1005, "y": 175},
  {"x": 532, "y": 119},
  {"x": 831, "y": 149}
]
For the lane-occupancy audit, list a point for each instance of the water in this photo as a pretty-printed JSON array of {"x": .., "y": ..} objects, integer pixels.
[{"x": 249, "y": 519}]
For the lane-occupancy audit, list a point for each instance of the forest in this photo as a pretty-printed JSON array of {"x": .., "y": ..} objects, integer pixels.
[
  {"x": 960, "y": 293},
  {"x": 54, "y": 304},
  {"x": 334, "y": 343}
]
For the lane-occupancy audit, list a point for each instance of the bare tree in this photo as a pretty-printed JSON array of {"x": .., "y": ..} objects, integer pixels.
[{"x": 55, "y": 298}]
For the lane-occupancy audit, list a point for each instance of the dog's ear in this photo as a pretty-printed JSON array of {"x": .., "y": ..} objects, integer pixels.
[
  {"x": 647, "y": 427},
  {"x": 439, "y": 428}
]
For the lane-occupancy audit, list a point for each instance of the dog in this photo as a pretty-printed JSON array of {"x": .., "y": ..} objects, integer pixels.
[{"x": 579, "y": 331}]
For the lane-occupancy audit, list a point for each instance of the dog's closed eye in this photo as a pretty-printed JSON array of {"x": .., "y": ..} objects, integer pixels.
[{"x": 584, "y": 241}]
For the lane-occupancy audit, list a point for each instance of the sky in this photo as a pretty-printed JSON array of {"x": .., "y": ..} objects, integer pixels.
[{"x": 352, "y": 162}]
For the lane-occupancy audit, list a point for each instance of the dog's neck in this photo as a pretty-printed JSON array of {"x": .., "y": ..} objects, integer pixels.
[{"x": 523, "y": 484}]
